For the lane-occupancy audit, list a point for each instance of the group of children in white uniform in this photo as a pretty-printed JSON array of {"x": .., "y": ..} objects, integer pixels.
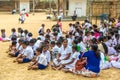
[{"x": 50, "y": 48}]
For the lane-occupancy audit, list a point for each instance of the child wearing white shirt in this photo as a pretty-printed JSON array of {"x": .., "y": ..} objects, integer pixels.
[
  {"x": 46, "y": 53},
  {"x": 26, "y": 55},
  {"x": 73, "y": 58},
  {"x": 40, "y": 62},
  {"x": 64, "y": 56},
  {"x": 55, "y": 49}
]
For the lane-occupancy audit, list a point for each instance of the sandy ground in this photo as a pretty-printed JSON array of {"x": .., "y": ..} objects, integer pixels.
[{"x": 14, "y": 71}]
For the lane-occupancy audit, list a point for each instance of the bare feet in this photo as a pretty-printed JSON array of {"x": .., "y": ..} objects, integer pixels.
[
  {"x": 14, "y": 61},
  {"x": 54, "y": 68},
  {"x": 29, "y": 68}
]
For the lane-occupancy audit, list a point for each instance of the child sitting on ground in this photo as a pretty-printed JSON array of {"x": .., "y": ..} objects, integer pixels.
[
  {"x": 74, "y": 57},
  {"x": 12, "y": 48},
  {"x": 40, "y": 62},
  {"x": 26, "y": 55},
  {"x": 3, "y": 36}
]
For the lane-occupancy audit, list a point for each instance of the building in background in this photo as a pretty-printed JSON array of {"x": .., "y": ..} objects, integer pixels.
[{"x": 9, "y": 5}]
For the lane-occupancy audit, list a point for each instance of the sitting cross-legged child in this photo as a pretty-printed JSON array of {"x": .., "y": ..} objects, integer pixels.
[
  {"x": 26, "y": 55},
  {"x": 12, "y": 48},
  {"x": 40, "y": 62}
]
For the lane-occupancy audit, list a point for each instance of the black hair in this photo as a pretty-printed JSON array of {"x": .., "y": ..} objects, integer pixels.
[
  {"x": 38, "y": 38},
  {"x": 96, "y": 30},
  {"x": 14, "y": 42},
  {"x": 74, "y": 47},
  {"x": 70, "y": 33},
  {"x": 67, "y": 36},
  {"x": 92, "y": 33},
  {"x": 20, "y": 40},
  {"x": 25, "y": 42},
  {"x": 75, "y": 41},
  {"x": 46, "y": 41},
  {"x": 53, "y": 42},
  {"x": 38, "y": 49},
  {"x": 30, "y": 34},
  {"x": 112, "y": 33},
  {"x": 65, "y": 40},
  {"x": 70, "y": 24},
  {"x": 43, "y": 45},
  {"x": 108, "y": 37},
  {"x": 2, "y": 30},
  {"x": 43, "y": 25},
  {"x": 13, "y": 30},
  {"x": 32, "y": 41},
  {"x": 90, "y": 28},
  {"x": 61, "y": 39},
  {"x": 48, "y": 30},
  {"x": 19, "y": 30},
  {"x": 95, "y": 49},
  {"x": 80, "y": 39},
  {"x": 94, "y": 41},
  {"x": 58, "y": 43},
  {"x": 95, "y": 26},
  {"x": 47, "y": 36},
  {"x": 86, "y": 21},
  {"x": 116, "y": 35},
  {"x": 87, "y": 33},
  {"x": 26, "y": 31}
]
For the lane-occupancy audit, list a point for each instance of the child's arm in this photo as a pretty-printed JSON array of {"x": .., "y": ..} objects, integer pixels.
[
  {"x": 67, "y": 57},
  {"x": 58, "y": 56},
  {"x": 24, "y": 56},
  {"x": 33, "y": 63},
  {"x": 10, "y": 47},
  {"x": 70, "y": 62}
]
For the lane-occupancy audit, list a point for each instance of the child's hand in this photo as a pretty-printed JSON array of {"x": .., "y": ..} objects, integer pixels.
[{"x": 58, "y": 60}]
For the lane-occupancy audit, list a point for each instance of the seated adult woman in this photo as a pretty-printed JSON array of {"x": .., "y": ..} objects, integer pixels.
[{"x": 92, "y": 67}]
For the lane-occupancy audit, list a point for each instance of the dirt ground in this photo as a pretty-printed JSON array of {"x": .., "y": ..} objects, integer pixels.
[{"x": 14, "y": 71}]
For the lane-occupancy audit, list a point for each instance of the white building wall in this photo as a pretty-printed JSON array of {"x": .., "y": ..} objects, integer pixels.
[
  {"x": 25, "y": 5},
  {"x": 79, "y": 5}
]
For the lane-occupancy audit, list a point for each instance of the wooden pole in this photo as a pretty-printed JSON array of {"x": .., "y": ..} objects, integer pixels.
[
  {"x": 64, "y": 8},
  {"x": 58, "y": 6},
  {"x": 33, "y": 7},
  {"x": 50, "y": 6}
]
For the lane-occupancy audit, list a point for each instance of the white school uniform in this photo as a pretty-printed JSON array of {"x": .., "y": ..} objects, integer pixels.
[
  {"x": 77, "y": 34},
  {"x": 72, "y": 29},
  {"x": 41, "y": 29},
  {"x": 104, "y": 64},
  {"x": 41, "y": 59},
  {"x": 28, "y": 38},
  {"x": 87, "y": 25},
  {"x": 64, "y": 53},
  {"x": 69, "y": 41},
  {"x": 55, "y": 51},
  {"x": 28, "y": 52},
  {"x": 47, "y": 55},
  {"x": 82, "y": 46},
  {"x": 42, "y": 38},
  {"x": 103, "y": 30},
  {"x": 37, "y": 44},
  {"x": 73, "y": 56},
  {"x": 111, "y": 50},
  {"x": 116, "y": 64}
]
